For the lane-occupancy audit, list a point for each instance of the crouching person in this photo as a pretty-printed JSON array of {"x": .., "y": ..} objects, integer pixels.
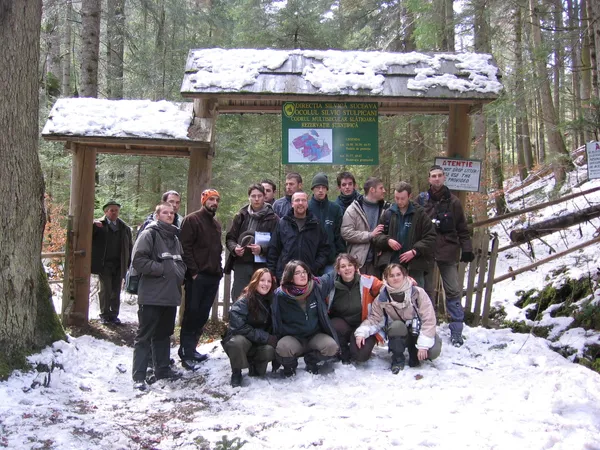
[
  {"x": 157, "y": 260},
  {"x": 248, "y": 341},
  {"x": 405, "y": 313},
  {"x": 300, "y": 319}
]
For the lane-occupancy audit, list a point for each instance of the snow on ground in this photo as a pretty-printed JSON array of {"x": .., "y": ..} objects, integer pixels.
[
  {"x": 501, "y": 390},
  {"x": 584, "y": 262}
]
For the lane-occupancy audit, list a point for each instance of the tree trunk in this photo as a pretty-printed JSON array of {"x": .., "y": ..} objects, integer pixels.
[
  {"x": 524, "y": 150},
  {"x": 574, "y": 44},
  {"x": 556, "y": 145},
  {"x": 52, "y": 75},
  {"x": 67, "y": 48},
  {"x": 449, "y": 30},
  {"x": 115, "y": 31},
  {"x": 586, "y": 67},
  {"x": 27, "y": 318},
  {"x": 594, "y": 27},
  {"x": 90, "y": 47}
]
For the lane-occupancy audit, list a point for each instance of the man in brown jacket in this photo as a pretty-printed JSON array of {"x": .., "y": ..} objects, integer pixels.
[
  {"x": 452, "y": 242},
  {"x": 201, "y": 241}
]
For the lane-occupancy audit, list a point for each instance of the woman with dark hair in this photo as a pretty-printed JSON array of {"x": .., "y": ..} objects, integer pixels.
[
  {"x": 248, "y": 341},
  {"x": 240, "y": 239},
  {"x": 157, "y": 259},
  {"x": 300, "y": 319},
  {"x": 349, "y": 303},
  {"x": 404, "y": 314}
]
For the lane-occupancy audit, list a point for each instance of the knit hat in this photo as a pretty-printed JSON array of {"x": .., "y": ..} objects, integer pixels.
[
  {"x": 207, "y": 193},
  {"x": 110, "y": 203},
  {"x": 320, "y": 179},
  {"x": 246, "y": 238}
]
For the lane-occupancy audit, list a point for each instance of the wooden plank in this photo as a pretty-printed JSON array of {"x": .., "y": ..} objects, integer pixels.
[
  {"x": 459, "y": 138},
  {"x": 490, "y": 281},
  {"x": 81, "y": 207},
  {"x": 480, "y": 252},
  {"x": 516, "y": 272},
  {"x": 481, "y": 281},
  {"x": 124, "y": 141},
  {"x": 494, "y": 220}
]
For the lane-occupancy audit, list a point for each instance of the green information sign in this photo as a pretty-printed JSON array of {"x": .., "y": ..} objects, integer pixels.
[{"x": 330, "y": 133}]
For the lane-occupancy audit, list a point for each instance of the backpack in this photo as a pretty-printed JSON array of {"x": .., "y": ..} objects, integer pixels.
[{"x": 132, "y": 279}]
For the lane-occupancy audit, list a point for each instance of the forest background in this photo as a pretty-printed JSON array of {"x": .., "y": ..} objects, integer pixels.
[{"x": 136, "y": 49}]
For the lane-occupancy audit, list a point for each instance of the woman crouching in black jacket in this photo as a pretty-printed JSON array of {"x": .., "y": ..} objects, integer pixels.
[
  {"x": 300, "y": 319},
  {"x": 157, "y": 259},
  {"x": 248, "y": 341}
]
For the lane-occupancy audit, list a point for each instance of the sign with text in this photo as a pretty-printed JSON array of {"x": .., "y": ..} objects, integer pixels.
[
  {"x": 593, "y": 159},
  {"x": 461, "y": 174},
  {"x": 330, "y": 133}
]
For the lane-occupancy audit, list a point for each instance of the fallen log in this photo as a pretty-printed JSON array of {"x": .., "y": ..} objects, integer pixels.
[{"x": 550, "y": 226}]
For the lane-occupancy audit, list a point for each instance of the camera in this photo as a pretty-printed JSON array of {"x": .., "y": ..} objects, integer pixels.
[{"x": 415, "y": 326}]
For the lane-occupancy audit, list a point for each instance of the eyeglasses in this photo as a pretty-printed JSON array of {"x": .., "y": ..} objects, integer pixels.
[{"x": 300, "y": 273}]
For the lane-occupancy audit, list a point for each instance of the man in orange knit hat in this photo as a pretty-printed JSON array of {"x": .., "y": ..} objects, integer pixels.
[{"x": 201, "y": 241}]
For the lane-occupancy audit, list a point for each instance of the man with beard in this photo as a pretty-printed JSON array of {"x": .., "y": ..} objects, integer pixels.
[
  {"x": 452, "y": 241},
  {"x": 201, "y": 242},
  {"x": 298, "y": 236}
]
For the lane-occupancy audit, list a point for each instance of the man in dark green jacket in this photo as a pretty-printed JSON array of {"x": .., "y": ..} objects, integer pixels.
[
  {"x": 329, "y": 215},
  {"x": 408, "y": 236}
]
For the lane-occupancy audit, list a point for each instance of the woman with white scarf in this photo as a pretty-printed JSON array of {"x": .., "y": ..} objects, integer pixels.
[{"x": 403, "y": 314}]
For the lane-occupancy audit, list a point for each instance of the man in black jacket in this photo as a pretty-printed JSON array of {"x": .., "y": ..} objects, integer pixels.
[
  {"x": 111, "y": 254},
  {"x": 298, "y": 235}
]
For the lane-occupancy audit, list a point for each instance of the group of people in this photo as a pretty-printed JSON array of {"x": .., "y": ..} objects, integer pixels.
[{"x": 312, "y": 277}]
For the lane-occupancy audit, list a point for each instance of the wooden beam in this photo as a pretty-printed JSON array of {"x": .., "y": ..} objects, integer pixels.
[
  {"x": 81, "y": 207},
  {"x": 124, "y": 142},
  {"x": 459, "y": 137},
  {"x": 383, "y": 110},
  {"x": 175, "y": 152},
  {"x": 199, "y": 178}
]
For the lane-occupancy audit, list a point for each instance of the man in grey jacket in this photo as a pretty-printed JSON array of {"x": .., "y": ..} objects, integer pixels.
[{"x": 360, "y": 225}]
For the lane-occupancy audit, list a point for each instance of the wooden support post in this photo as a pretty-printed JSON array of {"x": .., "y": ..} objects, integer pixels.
[
  {"x": 459, "y": 137},
  {"x": 490, "y": 281},
  {"x": 82, "y": 209},
  {"x": 67, "y": 294},
  {"x": 199, "y": 178},
  {"x": 481, "y": 280},
  {"x": 480, "y": 252}
]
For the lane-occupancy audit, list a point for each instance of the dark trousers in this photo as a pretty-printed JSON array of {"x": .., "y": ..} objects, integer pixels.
[
  {"x": 152, "y": 341},
  {"x": 110, "y": 292},
  {"x": 349, "y": 350},
  {"x": 199, "y": 298},
  {"x": 243, "y": 353}
]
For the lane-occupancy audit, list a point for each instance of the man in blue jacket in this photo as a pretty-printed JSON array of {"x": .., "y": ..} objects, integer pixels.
[
  {"x": 329, "y": 215},
  {"x": 298, "y": 235}
]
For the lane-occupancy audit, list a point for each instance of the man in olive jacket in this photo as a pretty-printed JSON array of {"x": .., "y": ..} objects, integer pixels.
[
  {"x": 111, "y": 254},
  {"x": 453, "y": 241},
  {"x": 408, "y": 236},
  {"x": 201, "y": 241}
]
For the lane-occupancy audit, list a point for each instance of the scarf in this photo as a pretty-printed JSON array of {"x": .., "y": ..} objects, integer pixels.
[
  {"x": 299, "y": 293},
  {"x": 346, "y": 200},
  {"x": 256, "y": 216},
  {"x": 405, "y": 288}
]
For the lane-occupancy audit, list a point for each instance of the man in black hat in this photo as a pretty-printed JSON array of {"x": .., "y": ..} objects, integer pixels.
[{"x": 111, "y": 254}]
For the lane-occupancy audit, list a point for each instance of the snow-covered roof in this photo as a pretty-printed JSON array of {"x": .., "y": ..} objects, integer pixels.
[
  {"x": 138, "y": 119},
  {"x": 347, "y": 73}
]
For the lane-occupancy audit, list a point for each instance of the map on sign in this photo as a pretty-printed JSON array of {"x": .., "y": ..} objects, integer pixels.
[{"x": 310, "y": 146}]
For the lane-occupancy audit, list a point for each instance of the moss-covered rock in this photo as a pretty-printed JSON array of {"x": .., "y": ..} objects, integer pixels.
[{"x": 521, "y": 327}]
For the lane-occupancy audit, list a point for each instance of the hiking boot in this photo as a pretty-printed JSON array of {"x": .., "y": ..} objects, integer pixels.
[
  {"x": 456, "y": 340},
  {"x": 346, "y": 361},
  {"x": 116, "y": 321},
  {"x": 252, "y": 371},
  {"x": 413, "y": 358},
  {"x": 140, "y": 385},
  {"x": 191, "y": 361},
  {"x": 312, "y": 368},
  {"x": 168, "y": 374},
  {"x": 397, "y": 367},
  {"x": 289, "y": 371},
  {"x": 236, "y": 378}
]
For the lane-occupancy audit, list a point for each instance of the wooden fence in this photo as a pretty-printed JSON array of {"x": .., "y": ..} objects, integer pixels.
[{"x": 482, "y": 270}]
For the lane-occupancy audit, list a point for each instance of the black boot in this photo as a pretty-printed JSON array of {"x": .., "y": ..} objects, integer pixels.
[
  {"x": 310, "y": 360},
  {"x": 236, "y": 378},
  {"x": 396, "y": 346},
  {"x": 252, "y": 370},
  {"x": 289, "y": 365},
  {"x": 413, "y": 359}
]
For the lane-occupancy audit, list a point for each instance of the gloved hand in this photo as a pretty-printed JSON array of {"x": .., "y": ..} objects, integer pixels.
[
  {"x": 272, "y": 341},
  {"x": 467, "y": 257}
]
